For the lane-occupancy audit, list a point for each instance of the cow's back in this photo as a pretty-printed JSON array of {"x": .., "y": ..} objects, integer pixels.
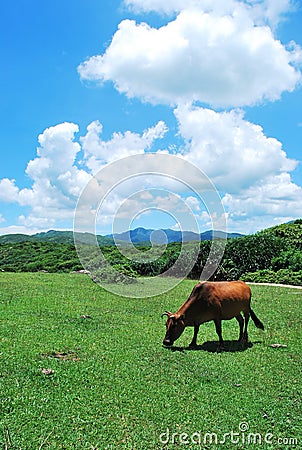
[
  {"x": 224, "y": 299},
  {"x": 231, "y": 297}
]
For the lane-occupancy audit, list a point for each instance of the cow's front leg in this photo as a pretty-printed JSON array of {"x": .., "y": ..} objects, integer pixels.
[
  {"x": 194, "y": 340},
  {"x": 219, "y": 332}
]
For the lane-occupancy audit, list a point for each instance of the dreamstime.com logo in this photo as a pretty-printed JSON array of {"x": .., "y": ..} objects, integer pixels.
[
  {"x": 139, "y": 185},
  {"x": 243, "y": 436}
]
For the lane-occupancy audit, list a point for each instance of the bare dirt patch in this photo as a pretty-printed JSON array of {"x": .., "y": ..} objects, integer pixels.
[{"x": 62, "y": 355}]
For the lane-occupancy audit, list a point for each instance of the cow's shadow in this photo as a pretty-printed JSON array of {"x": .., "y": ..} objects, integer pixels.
[{"x": 213, "y": 347}]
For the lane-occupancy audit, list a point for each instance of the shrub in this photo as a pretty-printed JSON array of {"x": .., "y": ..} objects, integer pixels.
[
  {"x": 291, "y": 259},
  {"x": 109, "y": 275},
  {"x": 282, "y": 276}
]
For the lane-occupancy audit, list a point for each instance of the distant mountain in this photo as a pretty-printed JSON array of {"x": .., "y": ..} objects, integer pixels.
[
  {"x": 14, "y": 238},
  {"x": 142, "y": 235},
  {"x": 137, "y": 236},
  {"x": 214, "y": 234},
  {"x": 57, "y": 237}
]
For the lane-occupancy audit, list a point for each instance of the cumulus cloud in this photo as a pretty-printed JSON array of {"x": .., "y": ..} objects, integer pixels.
[
  {"x": 193, "y": 203},
  {"x": 20, "y": 229},
  {"x": 262, "y": 11},
  {"x": 206, "y": 55},
  {"x": 147, "y": 204},
  {"x": 8, "y": 190},
  {"x": 271, "y": 11},
  {"x": 275, "y": 199},
  {"x": 233, "y": 152},
  {"x": 98, "y": 152},
  {"x": 251, "y": 169},
  {"x": 168, "y": 7},
  {"x": 53, "y": 171},
  {"x": 58, "y": 180}
]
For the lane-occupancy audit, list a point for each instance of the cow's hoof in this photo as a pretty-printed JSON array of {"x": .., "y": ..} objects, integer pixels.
[
  {"x": 243, "y": 342},
  {"x": 193, "y": 345}
]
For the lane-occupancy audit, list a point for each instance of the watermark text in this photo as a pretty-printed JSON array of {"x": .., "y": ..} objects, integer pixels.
[{"x": 241, "y": 436}]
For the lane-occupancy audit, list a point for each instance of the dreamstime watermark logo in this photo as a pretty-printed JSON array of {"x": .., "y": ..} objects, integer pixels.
[
  {"x": 141, "y": 184},
  {"x": 242, "y": 436}
]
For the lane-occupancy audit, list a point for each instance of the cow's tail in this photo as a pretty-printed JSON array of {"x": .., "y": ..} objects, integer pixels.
[{"x": 256, "y": 321}]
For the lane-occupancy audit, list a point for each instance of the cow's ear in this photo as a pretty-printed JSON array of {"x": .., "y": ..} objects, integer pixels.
[{"x": 182, "y": 317}]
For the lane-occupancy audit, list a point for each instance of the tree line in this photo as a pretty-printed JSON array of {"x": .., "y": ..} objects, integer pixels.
[{"x": 272, "y": 255}]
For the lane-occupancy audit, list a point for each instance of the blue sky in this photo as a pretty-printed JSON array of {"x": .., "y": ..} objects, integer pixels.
[{"x": 216, "y": 83}]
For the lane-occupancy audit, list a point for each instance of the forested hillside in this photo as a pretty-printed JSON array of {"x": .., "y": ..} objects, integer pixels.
[
  {"x": 36, "y": 256},
  {"x": 51, "y": 236},
  {"x": 272, "y": 255}
]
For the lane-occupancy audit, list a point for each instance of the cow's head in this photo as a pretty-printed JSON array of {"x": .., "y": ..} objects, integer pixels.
[{"x": 174, "y": 327}]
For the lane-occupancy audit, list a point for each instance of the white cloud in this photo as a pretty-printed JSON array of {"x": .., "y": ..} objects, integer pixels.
[
  {"x": 167, "y": 7},
  {"x": 233, "y": 152},
  {"x": 56, "y": 180},
  {"x": 271, "y": 11},
  {"x": 251, "y": 168},
  {"x": 19, "y": 229},
  {"x": 54, "y": 172},
  {"x": 8, "y": 190},
  {"x": 98, "y": 152},
  {"x": 276, "y": 195},
  {"x": 2, "y": 218},
  {"x": 123, "y": 211},
  {"x": 217, "y": 58},
  {"x": 277, "y": 199},
  {"x": 36, "y": 221},
  {"x": 193, "y": 203}
]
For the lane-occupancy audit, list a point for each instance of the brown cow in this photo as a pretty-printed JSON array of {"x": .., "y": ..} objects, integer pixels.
[{"x": 216, "y": 301}]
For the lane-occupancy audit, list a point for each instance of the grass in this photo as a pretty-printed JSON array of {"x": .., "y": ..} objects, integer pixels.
[{"x": 81, "y": 368}]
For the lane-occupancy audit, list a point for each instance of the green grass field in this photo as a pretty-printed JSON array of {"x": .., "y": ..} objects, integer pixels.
[{"x": 81, "y": 368}]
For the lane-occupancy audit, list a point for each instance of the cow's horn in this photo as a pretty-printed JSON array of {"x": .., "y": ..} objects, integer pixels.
[{"x": 166, "y": 313}]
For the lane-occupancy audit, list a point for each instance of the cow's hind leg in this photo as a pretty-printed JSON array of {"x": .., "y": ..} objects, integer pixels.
[
  {"x": 241, "y": 326},
  {"x": 246, "y": 321},
  {"x": 219, "y": 332}
]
